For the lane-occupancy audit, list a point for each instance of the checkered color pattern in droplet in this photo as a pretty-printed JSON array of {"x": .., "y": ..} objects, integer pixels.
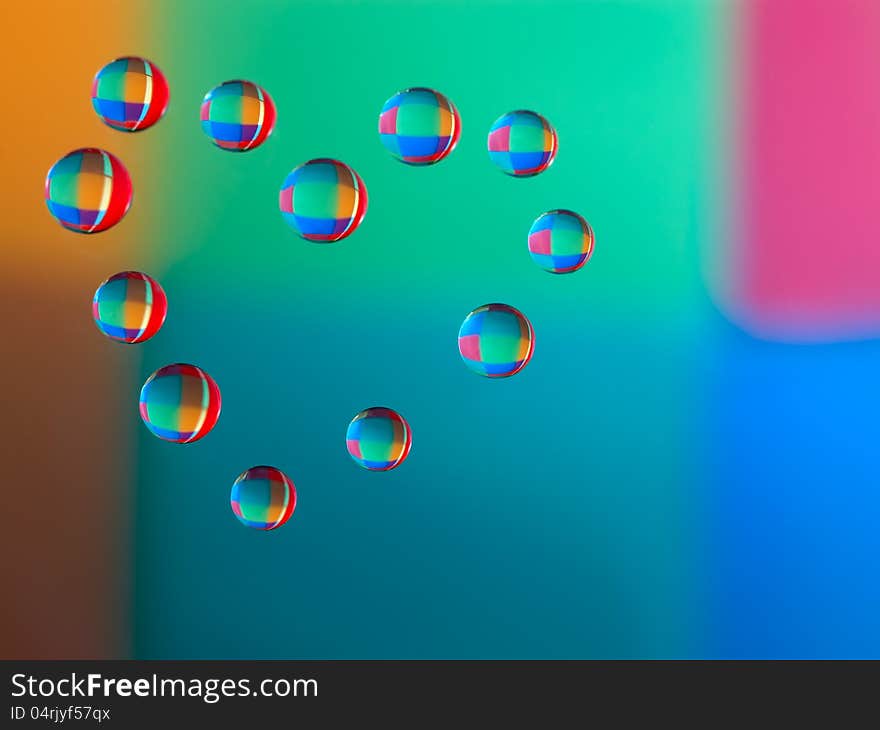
[
  {"x": 238, "y": 115},
  {"x": 419, "y": 126},
  {"x": 522, "y": 143},
  {"x": 378, "y": 439},
  {"x": 88, "y": 190},
  {"x": 130, "y": 94},
  {"x": 180, "y": 403},
  {"x": 129, "y": 307},
  {"x": 496, "y": 340},
  {"x": 263, "y": 498},
  {"x": 323, "y": 200},
  {"x": 561, "y": 241}
]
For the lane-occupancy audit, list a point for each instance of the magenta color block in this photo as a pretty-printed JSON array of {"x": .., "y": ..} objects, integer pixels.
[
  {"x": 354, "y": 448},
  {"x": 539, "y": 242},
  {"x": 805, "y": 253},
  {"x": 469, "y": 346},
  {"x": 499, "y": 140},
  {"x": 285, "y": 199},
  {"x": 388, "y": 121}
]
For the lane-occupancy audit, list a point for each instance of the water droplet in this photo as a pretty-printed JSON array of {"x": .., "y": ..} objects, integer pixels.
[
  {"x": 130, "y": 94},
  {"x": 378, "y": 439},
  {"x": 238, "y": 115},
  {"x": 561, "y": 241},
  {"x": 522, "y": 143},
  {"x": 180, "y": 403},
  {"x": 496, "y": 340},
  {"x": 419, "y": 126},
  {"x": 88, "y": 190},
  {"x": 263, "y": 497},
  {"x": 323, "y": 200},
  {"x": 129, "y": 307}
]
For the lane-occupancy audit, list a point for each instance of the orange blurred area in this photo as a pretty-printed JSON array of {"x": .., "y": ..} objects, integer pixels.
[
  {"x": 54, "y": 53},
  {"x": 64, "y": 458}
]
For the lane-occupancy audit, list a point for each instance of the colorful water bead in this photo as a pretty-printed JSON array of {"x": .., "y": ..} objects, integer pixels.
[
  {"x": 496, "y": 340},
  {"x": 129, "y": 307},
  {"x": 419, "y": 126},
  {"x": 522, "y": 143},
  {"x": 561, "y": 241},
  {"x": 378, "y": 439},
  {"x": 238, "y": 115},
  {"x": 323, "y": 200},
  {"x": 130, "y": 94},
  {"x": 88, "y": 190},
  {"x": 263, "y": 497},
  {"x": 180, "y": 403}
]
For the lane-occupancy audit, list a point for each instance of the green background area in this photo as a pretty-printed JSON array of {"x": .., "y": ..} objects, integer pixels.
[{"x": 547, "y": 515}]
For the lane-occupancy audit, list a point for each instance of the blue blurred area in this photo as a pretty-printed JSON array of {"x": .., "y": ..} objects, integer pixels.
[{"x": 793, "y": 484}]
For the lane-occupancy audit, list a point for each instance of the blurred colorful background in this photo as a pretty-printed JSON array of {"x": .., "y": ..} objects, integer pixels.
[{"x": 688, "y": 466}]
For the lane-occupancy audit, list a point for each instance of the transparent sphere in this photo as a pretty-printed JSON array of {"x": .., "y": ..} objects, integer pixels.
[
  {"x": 378, "y": 439},
  {"x": 129, "y": 307},
  {"x": 180, "y": 403},
  {"x": 130, "y": 94},
  {"x": 522, "y": 143},
  {"x": 88, "y": 190},
  {"x": 323, "y": 200},
  {"x": 419, "y": 126},
  {"x": 238, "y": 115},
  {"x": 561, "y": 241},
  {"x": 263, "y": 498},
  {"x": 496, "y": 340}
]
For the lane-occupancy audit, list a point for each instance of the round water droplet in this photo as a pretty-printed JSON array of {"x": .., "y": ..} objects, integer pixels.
[
  {"x": 263, "y": 497},
  {"x": 130, "y": 94},
  {"x": 419, "y": 126},
  {"x": 561, "y": 241},
  {"x": 129, "y": 307},
  {"x": 238, "y": 115},
  {"x": 522, "y": 143},
  {"x": 496, "y": 340},
  {"x": 180, "y": 403},
  {"x": 88, "y": 190},
  {"x": 323, "y": 200},
  {"x": 378, "y": 439}
]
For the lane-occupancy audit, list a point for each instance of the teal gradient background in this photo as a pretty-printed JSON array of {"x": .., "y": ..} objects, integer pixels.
[{"x": 554, "y": 514}]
